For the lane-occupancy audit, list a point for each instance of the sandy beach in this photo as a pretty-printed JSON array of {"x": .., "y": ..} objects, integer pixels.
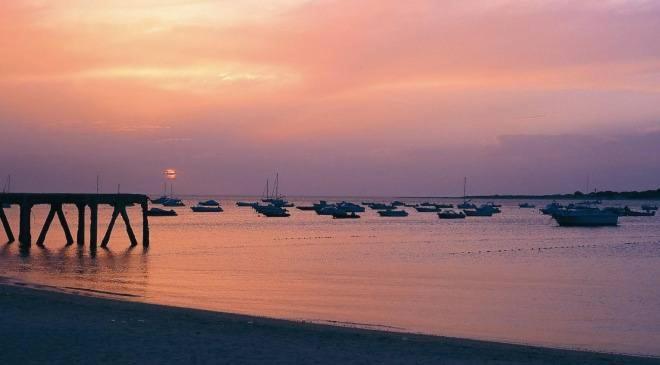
[{"x": 47, "y": 326}]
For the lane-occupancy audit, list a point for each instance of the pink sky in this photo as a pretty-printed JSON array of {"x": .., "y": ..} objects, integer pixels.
[{"x": 341, "y": 97}]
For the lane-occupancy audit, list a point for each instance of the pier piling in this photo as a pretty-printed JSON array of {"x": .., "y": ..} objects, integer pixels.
[
  {"x": 6, "y": 226},
  {"x": 80, "y": 236}
]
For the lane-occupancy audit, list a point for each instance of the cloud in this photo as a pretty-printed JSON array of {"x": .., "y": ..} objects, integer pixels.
[{"x": 360, "y": 85}]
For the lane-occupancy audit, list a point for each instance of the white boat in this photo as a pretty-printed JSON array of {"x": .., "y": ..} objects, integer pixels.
[{"x": 585, "y": 217}]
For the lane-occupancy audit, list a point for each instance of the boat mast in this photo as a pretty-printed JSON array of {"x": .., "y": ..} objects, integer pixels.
[
  {"x": 277, "y": 185},
  {"x": 465, "y": 188}
]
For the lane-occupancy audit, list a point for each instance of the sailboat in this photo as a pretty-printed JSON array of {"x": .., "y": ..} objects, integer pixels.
[
  {"x": 275, "y": 198},
  {"x": 163, "y": 197},
  {"x": 466, "y": 203}
]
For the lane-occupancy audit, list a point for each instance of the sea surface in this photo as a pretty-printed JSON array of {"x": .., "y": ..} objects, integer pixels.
[{"x": 516, "y": 277}]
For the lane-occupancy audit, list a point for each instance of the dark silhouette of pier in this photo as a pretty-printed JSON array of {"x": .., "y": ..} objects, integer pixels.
[{"x": 119, "y": 202}]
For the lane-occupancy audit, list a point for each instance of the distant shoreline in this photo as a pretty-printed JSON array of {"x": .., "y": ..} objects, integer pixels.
[{"x": 46, "y": 326}]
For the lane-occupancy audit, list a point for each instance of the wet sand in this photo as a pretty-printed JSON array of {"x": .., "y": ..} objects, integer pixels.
[{"x": 46, "y": 326}]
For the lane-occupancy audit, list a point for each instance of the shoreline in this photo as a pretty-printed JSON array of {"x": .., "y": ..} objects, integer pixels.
[{"x": 46, "y": 325}]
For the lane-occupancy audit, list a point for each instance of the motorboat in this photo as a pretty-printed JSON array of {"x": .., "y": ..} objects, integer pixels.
[
  {"x": 593, "y": 217},
  {"x": 466, "y": 205},
  {"x": 392, "y": 213},
  {"x": 551, "y": 208},
  {"x": 397, "y": 203},
  {"x": 492, "y": 208},
  {"x": 444, "y": 206},
  {"x": 158, "y": 212},
  {"x": 209, "y": 203},
  {"x": 494, "y": 205},
  {"x": 427, "y": 209},
  {"x": 344, "y": 215},
  {"x": 451, "y": 214},
  {"x": 350, "y": 207},
  {"x": 206, "y": 209},
  {"x": 246, "y": 204},
  {"x": 306, "y": 207},
  {"x": 627, "y": 212},
  {"x": 272, "y": 211},
  {"x": 482, "y": 211},
  {"x": 526, "y": 205},
  {"x": 160, "y": 200},
  {"x": 173, "y": 203},
  {"x": 381, "y": 206}
]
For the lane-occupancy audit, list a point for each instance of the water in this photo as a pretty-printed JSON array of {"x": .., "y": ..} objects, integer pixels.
[{"x": 515, "y": 277}]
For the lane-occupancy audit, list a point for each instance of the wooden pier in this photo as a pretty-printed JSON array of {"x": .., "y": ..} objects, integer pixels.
[{"x": 119, "y": 202}]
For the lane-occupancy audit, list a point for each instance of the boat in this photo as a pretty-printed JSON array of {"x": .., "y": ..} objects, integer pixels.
[
  {"x": 381, "y": 206},
  {"x": 426, "y": 209},
  {"x": 466, "y": 203},
  {"x": 350, "y": 207},
  {"x": 551, "y": 208},
  {"x": 173, "y": 203},
  {"x": 410, "y": 205},
  {"x": 206, "y": 209},
  {"x": 494, "y": 205},
  {"x": 397, "y": 203},
  {"x": 627, "y": 212},
  {"x": 490, "y": 207},
  {"x": 246, "y": 204},
  {"x": 272, "y": 211},
  {"x": 526, "y": 205},
  {"x": 482, "y": 211},
  {"x": 160, "y": 200},
  {"x": 305, "y": 207},
  {"x": 649, "y": 207},
  {"x": 451, "y": 214},
  {"x": 209, "y": 203},
  {"x": 393, "y": 213},
  {"x": 158, "y": 212},
  {"x": 344, "y": 215},
  {"x": 592, "y": 217},
  {"x": 444, "y": 206}
]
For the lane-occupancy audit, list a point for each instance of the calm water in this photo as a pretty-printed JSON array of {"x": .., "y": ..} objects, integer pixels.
[{"x": 516, "y": 277}]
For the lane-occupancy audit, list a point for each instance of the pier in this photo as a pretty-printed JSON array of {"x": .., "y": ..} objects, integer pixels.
[{"x": 119, "y": 202}]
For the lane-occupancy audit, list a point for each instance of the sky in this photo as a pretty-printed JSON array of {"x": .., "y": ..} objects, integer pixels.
[{"x": 341, "y": 97}]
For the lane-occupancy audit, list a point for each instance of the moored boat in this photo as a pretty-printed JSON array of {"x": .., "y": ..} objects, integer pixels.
[
  {"x": 526, "y": 205},
  {"x": 479, "y": 212},
  {"x": 246, "y": 204},
  {"x": 392, "y": 213},
  {"x": 427, "y": 209},
  {"x": 173, "y": 203},
  {"x": 451, "y": 214},
  {"x": 206, "y": 209},
  {"x": 209, "y": 203},
  {"x": 344, "y": 215},
  {"x": 585, "y": 217},
  {"x": 158, "y": 212}
]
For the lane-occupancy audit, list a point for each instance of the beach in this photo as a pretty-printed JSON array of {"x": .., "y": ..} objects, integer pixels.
[{"x": 44, "y": 325}]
